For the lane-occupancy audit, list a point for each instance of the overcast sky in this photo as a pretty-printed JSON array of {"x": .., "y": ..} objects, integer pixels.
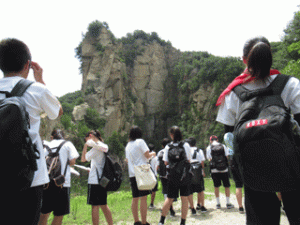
[{"x": 53, "y": 29}]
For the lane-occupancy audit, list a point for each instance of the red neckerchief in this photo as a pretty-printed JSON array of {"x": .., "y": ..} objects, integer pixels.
[{"x": 245, "y": 77}]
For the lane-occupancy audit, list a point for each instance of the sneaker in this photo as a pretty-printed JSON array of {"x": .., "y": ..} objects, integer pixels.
[
  {"x": 151, "y": 206},
  {"x": 172, "y": 212},
  {"x": 229, "y": 206},
  {"x": 193, "y": 211},
  {"x": 198, "y": 207},
  {"x": 203, "y": 209},
  {"x": 218, "y": 206},
  {"x": 146, "y": 223},
  {"x": 160, "y": 224},
  {"x": 241, "y": 210},
  {"x": 138, "y": 223}
]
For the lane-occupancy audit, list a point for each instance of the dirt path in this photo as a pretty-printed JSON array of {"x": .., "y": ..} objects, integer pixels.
[{"x": 212, "y": 217}]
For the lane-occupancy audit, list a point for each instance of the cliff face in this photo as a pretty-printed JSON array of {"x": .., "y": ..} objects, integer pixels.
[{"x": 122, "y": 94}]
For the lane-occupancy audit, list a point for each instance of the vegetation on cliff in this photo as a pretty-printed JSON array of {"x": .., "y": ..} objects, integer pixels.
[{"x": 194, "y": 83}]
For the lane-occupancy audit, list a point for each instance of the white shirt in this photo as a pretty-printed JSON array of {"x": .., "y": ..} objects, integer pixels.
[
  {"x": 209, "y": 157},
  {"x": 199, "y": 155},
  {"x": 187, "y": 149},
  {"x": 135, "y": 151},
  {"x": 66, "y": 153},
  {"x": 154, "y": 163},
  {"x": 229, "y": 109},
  {"x": 97, "y": 158},
  {"x": 38, "y": 99}
]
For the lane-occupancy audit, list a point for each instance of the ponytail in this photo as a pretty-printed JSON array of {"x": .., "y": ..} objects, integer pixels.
[
  {"x": 177, "y": 135},
  {"x": 257, "y": 52}
]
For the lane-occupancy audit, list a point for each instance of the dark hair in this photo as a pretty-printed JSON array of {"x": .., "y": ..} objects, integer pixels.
[
  {"x": 14, "y": 55},
  {"x": 135, "y": 133},
  {"x": 192, "y": 141},
  {"x": 165, "y": 141},
  {"x": 58, "y": 134},
  {"x": 96, "y": 133},
  {"x": 151, "y": 147},
  {"x": 257, "y": 52},
  {"x": 175, "y": 131}
]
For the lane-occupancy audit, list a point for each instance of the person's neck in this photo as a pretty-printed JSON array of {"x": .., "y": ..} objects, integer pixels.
[{"x": 14, "y": 75}]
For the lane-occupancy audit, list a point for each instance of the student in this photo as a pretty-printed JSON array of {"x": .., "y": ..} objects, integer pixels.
[
  {"x": 262, "y": 207},
  {"x": 219, "y": 175},
  {"x": 237, "y": 177},
  {"x": 137, "y": 153},
  {"x": 198, "y": 156},
  {"x": 57, "y": 199},
  {"x": 153, "y": 163},
  {"x": 15, "y": 63},
  {"x": 97, "y": 195},
  {"x": 175, "y": 186},
  {"x": 162, "y": 171}
]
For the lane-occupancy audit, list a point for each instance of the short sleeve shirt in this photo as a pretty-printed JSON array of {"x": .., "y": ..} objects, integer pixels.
[
  {"x": 66, "y": 153},
  {"x": 38, "y": 100},
  {"x": 187, "y": 149},
  {"x": 209, "y": 157},
  {"x": 135, "y": 151}
]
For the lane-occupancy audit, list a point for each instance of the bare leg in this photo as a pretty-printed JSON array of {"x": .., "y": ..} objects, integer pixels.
[
  {"x": 107, "y": 213},
  {"x": 95, "y": 214},
  {"x": 191, "y": 201},
  {"x": 143, "y": 209},
  {"x": 239, "y": 196},
  {"x": 166, "y": 207},
  {"x": 57, "y": 220},
  {"x": 184, "y": 206},
  {"x": 135, "y": 208},
  {"x": 44, "y": 219}
]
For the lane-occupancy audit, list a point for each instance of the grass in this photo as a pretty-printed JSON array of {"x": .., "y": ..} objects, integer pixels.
[{"x": 119, "y": 203}]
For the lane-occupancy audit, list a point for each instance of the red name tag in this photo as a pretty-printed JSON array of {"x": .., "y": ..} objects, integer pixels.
[{"x": 256, "y": 123}]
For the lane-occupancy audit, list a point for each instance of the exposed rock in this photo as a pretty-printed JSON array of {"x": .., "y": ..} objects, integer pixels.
[{"x": 80, "y": 111}]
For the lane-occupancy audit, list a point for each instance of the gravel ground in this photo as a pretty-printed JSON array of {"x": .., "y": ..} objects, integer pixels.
[{"x": 212, "y": 217}]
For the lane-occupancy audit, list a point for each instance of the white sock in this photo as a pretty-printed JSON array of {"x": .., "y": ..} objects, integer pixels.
[
  {"x": 228, "y": 200},
  {"x": 218, "y": 200}
]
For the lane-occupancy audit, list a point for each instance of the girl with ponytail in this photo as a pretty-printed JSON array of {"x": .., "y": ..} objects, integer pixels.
[{"x": 261, "y": 207}]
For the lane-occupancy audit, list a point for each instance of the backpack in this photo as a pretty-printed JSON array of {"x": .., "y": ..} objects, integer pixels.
[
  {"x": 15, "y": 141},
  {"x": 196, "y": 169},
  {"x": 178, "y": 165},
  {"x": 54, "y": 166},
  {"x": 162, "y": 171},
  {"x": 111, "y": 178},
  {"x": 219, "y": 160},
  {"x": 263, "y": 143}
]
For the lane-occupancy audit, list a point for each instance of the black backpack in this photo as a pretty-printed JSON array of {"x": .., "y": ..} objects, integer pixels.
[
  {"x": 15, "y": 141},
  {"x": 111, "y": 178},
  {"x": 162, "y": 171},
  {"x": 196, "y": 169},
  {"x": 54, "y": 166},
  {"x": 219, "y": 160},
  {"x": 263, "y": 143},
  {"x": 179, "y": 166}
]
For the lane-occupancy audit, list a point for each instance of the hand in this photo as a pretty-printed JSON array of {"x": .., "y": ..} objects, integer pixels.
[{"x": 37, "y": 72}]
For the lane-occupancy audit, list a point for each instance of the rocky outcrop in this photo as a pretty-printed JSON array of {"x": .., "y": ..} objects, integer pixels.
[{"x": 121, "y": 94}]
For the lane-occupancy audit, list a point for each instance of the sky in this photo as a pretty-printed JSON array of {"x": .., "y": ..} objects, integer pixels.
[{"x": 53, "y": 29}]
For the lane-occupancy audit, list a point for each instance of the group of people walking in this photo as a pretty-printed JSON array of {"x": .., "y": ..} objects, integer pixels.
[{"x": 256, "y": 86}]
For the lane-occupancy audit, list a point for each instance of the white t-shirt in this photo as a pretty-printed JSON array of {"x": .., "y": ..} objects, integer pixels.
[
  {"x": 229, "y": 108},
  {"x": 154, "y": 163},
  {"x": 187, "y": 149},
  {"x": 38, "y": 99},
  {"x": 209, "y": 157},
  {"x": 199, "y": 155},
  {"x": 135, "y": 151},
  {"x": 97, "y": 158},
  {"x": 67, "y": 152}
]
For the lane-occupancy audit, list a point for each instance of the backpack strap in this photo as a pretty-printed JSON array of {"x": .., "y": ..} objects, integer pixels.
[
  {"x": 20, "y": 88},
  {"x": 195, "y": 154},
  {"x": 275, "y": 88}
]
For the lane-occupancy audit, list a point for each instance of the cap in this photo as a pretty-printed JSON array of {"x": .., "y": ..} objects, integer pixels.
[{"x": 213, "y": 137}]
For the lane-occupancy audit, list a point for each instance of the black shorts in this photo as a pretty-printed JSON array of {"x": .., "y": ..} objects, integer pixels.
[
  {"x": 56, "y": 200},
  {"x": 135, "y": 191},
  {"x": 197, "y": 188},
  {"x": 219, "y": 178},
  {"x": 164, "y": 184},
  {"x": 97, "y": 195},
  {"x": 156, "y": 187},
  {"x": 174, "y": 189}
]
